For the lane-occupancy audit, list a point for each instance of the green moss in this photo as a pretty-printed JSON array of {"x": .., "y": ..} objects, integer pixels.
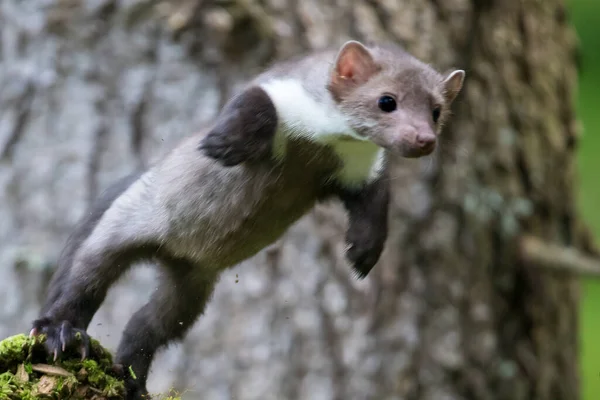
[
  {"x": 132, "y": 373},
  {"x": 13, "y": 349},
  {"x": 28, "y": 373}
]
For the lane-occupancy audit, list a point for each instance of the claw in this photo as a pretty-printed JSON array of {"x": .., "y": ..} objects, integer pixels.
[
  {"x": 63, "y": 339},
  {"x": 61, "y": 336},
  {"x": 33, "y": 332},
  {"x": 85, "y": 345}
]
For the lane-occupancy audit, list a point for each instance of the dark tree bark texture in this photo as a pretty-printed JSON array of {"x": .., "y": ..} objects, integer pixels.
[{"x": 92, "y": 89}]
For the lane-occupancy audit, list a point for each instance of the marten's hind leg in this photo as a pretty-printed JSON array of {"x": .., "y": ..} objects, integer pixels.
[
  {"x": 81, "y": 291},
  {"x": 182, "y": 294},
  {"x": 81, "y": 232},
  {"x": 116, "y": 237}
]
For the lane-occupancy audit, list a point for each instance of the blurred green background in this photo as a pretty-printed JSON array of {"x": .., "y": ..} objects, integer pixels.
[{"x": 585, "y": 15}]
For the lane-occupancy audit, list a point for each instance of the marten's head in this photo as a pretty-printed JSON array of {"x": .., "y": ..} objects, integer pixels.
[{"x": 391, "y": 98}]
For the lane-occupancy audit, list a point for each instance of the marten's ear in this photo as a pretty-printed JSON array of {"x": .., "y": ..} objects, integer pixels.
[
  {"x": 353, "y": 66},
  {"x": 453, "y": 84}
]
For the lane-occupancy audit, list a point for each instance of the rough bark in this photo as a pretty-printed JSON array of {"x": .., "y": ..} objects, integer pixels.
[{"x": 92, "y": 89}]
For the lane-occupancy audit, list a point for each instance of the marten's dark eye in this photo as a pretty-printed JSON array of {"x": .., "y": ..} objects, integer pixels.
[
  {"x": 387, "y": 103},
  {"x": 436, "y": 114}
]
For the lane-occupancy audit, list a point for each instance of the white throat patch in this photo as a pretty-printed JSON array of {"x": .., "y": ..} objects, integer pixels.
[{"x": 301, "y": 115}]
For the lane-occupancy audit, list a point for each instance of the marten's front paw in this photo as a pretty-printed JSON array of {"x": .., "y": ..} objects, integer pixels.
[
  {"x": 362, "y": 259},
  {"x": 61, "y": 336},
  {"x": 363, "y": 255}
]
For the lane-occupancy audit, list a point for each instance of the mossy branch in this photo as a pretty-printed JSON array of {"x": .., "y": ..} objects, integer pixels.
[
  {"x": 27, "y": 372},
  {"x": 539, "y": 253}
]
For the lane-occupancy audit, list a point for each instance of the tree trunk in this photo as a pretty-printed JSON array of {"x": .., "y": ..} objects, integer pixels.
[{"x": 92, "y": 89}]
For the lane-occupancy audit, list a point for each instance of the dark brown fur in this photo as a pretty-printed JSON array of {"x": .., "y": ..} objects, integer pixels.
[{"x": 245, "y": 129}]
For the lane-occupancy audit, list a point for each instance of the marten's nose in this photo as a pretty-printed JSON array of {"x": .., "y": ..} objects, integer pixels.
[{"x": 426, "y": 141}]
